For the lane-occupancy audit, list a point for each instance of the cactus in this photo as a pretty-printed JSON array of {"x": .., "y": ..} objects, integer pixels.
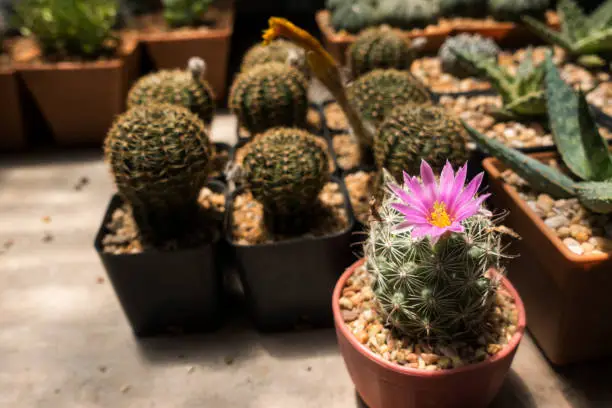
[
  {"x": 277, "y": 51},
  {"x": 352, "y": 15},
  {"x": 411, "y": 133},
  {"x": 522, "y": 94},
  {"x": 463, "y": 8},
  {"x": 582, "y": 149},
  {"x": 583, "y": 37},
  {"x": 376, "y": 93},
  {"x": 185, "y": 13},
  {"x": 159, "y": 155},
  {"x": 184, "y": 88},
  {"x": 379, "y": 47},
  {"x": 269, "y": 95},
  {"x": 513, "y": 10},
  {"x": 477, "y": 47},
  {"x": 429, "y": 253},
  {"x": 285, "y": 169},
  {"x": 408, "y": 14}
]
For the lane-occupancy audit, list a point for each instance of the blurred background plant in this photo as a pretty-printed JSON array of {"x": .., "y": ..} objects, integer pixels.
[{"x": 185, "y": 13}]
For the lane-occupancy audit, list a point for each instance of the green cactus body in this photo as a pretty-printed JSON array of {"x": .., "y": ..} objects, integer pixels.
[
  {"x": 281, "y": 51},
  {"x": 476, "y": 46},
  {"x": 433, "y": 291},
  {"x": 408, "y": 14},
  {"x": 353, "y": 15},
  {"x": 159, "y": 157},
  {"x": 414, "y": 133},
  {"x": 183, "y": 88},
  {"x": 285, "y": 169},
  {"x": 513, "y": 10},
  {"x": 379, "y": 47},
  {"x": 376, "y": 93},
  {"x": 270, "y": 95},
  {"x": 463, "y": 8}
]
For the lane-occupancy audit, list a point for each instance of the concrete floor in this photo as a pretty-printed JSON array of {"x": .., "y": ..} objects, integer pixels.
[{"x": 65, "y": 343}]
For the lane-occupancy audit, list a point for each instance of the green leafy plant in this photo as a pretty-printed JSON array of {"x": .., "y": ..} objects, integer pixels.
[
  {"x": 70, "y": 28},
  {"x": 185, "y": 13},
  {"x": 583, "y": 37},
  {"x": 583, "y": 150}
]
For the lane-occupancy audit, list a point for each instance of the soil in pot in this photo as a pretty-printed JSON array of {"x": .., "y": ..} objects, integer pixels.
[
  {"x": 359, "y": 186},
  {"x": 359, "y": 312},
  {"x": 348, "y": 154},
  {"x": 601, "y": 97},
  {"x": 335, "y": 119}
]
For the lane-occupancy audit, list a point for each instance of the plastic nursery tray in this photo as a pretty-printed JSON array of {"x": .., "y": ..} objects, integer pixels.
[
  {"x": 167, "y": 291},
  {"x": 290, "y": 283}
]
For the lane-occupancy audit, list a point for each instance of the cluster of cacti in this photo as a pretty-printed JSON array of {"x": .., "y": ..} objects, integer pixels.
[
  {"x": 411, "y": 133},
  {"x": 522, "y": 94},
  {"x": 513, "y": 10},
  {"x": 183, "y": 88},
  {"x": 583, "y": 150},
  {"x": 285, "y": 170},
  {"x": 583, "y": 37},
  {"x": 464, "y": 8},
  {"x": 475, "y": 46},
  {"x": 159, "y": 155},
  {"x": 185, "y": 13},
  {"x": 269, "y": 95},
  {"x": 379, "y": 47},
  {"x": 277, "y": 51}
]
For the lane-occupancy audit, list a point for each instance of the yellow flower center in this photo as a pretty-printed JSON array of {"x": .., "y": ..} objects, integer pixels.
[{"x": 439, "y": 217}]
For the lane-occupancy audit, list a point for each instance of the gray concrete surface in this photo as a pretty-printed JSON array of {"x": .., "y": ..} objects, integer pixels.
[{"x": 65, "y": 343}]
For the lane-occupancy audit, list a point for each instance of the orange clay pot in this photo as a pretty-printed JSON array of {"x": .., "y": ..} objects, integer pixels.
[{"x": 12, "y": 133}]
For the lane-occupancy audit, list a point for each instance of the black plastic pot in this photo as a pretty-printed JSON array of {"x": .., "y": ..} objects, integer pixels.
[
  {"x": 167, "y": 291},
  {"x": 290, "y": 283}
]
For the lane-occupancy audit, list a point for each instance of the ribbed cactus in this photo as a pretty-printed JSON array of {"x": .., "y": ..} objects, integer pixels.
[
  {"x": 463, "y": 8},
  {"x": 285, "y": 169},
  {"x": 184, "y": 88},
  {"x": 583, "y": 150},
  {"x": 352, "y": 15},
  {"x": 277, "y": 51},
  {"x": 513, "y": 10},
  {"x": 376, "y": 93},
  {"x": 159, "y": 157},
  {"x": 411, "y": 133},
  {"x": 583, "y": 37},
  {"x": 269, "y": 95},
  {"x": 431, "y": 281},
  {"x": 408, "y": 14},
  {"x": 379, "y": 47},
  {"x": 477, "y": 47}
]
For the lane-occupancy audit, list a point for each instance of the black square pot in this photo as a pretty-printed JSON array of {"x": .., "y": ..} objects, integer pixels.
[
  {"x": 161, "y": 292},
  {"x": 290, "y": 283}
]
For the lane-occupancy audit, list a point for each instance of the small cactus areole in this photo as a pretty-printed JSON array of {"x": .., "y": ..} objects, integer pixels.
[
  {"x": 285, "y": 169},
  {"x": 411, "y": 133},
  {"x": 430, "y": 253},
  {"x": 269, "y": 95},
  {"x": 379, "y": 47},
  {"x": 159, "y": 156},
  {"x": 277, "y": 51}
]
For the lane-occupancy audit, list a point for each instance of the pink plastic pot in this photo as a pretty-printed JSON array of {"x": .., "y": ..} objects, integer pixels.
[{"x": 382, "y": 384}]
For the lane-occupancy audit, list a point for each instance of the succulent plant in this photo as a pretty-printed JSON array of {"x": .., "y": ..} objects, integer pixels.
[
  {"x": 411, "y": 133},
  {"x": 376, "y": 93},
  {"x": 269, "y": 95},
  {"x": 476, "y": 46},
  {"x": 184, "y": 88},
  {"x": 159, "y": 156},
  {"x": 185, "y": 13},
  {"x": 408, "y": 14},
  {"x": 463, "y": 8},
  {"x": 513, "y": 10},
  {"x": 430, "y": 251},
  {"x": 522, "y": 94},
  {"x": 583, "y": 37},
  {"x": 379, "y": 47},
  {"x": 583, "y": 150},
  {"x": 277, "y": 51},
  {"x": 285, "y": 169},
  {"x": 353, "y": 15}
]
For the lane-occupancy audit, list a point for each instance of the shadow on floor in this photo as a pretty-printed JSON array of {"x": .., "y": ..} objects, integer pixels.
[
  {"x": 588, "y": 382},
  {"x": 50, "y": 155}
]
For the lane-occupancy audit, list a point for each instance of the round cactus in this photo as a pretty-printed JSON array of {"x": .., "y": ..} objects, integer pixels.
[
  {"x": 379, "y": 47},
  {"x": 478, "y": 47},
  {"x": 463, "y": 8},
  {"x": 376, "y": 93},
  {"x": 184, "y": 88},
  {"x": 285, "y": 169},
  {"x": 159, "y": 157},
  {"x": 277, "y": 51},
  {"x": 270, "y": 95},
  {"x": 408, "y": 14},
  {"x": 411, "y": 133},
  {"x": 513, "y": 10}
]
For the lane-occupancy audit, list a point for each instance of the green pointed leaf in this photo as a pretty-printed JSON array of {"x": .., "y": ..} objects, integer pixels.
[
  {"x": 531, "y": 104},
  {"x": 548, "y": 35},
  {"x": 596, "y": 42},
  {"x": 601, "y": 18},
  {"x": 596, "y": 196},
  {"x": 574, "y": 130},
  {"x": 540, "y": 177},
  {"x": 575, "y": 23},
  {"x": 499, "y": 78}
]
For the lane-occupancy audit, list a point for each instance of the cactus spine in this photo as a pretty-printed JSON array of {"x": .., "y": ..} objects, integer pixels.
[{"x": 277, "y": 51}]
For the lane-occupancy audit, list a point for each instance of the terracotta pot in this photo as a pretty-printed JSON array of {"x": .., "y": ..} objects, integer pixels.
[
  {"x": 382, "y": 384},
  {"x": 80, "y": 100},
  {"x": 172, "y": 49},
  {"x": 566, "y": 295},
  {"x": 12, "y": 133},
  {"x": 337, "y": 44}
]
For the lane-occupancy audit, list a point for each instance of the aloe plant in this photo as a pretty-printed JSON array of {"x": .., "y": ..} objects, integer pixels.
[
  {"x": 584, "y": 37},
  {"x": 522, "y": 94},
  {"x": 582, "y": 149}
]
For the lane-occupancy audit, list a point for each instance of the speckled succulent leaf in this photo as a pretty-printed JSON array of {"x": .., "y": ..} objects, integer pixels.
[
  {"x": 531, "y": 104},
  {"x": 499, "y": 78},
  {"x": 575, "y": 23},
  {"x": 541, "y": 177},
  {"x": 548, "y": 35},
  {"x": 591, "y": 61},
  {"x": 574, "y": 130},
  {"x": 595, "y": 42},
  {"x": 596, "y": 196},
  {"x": 602, "y": 16}
]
